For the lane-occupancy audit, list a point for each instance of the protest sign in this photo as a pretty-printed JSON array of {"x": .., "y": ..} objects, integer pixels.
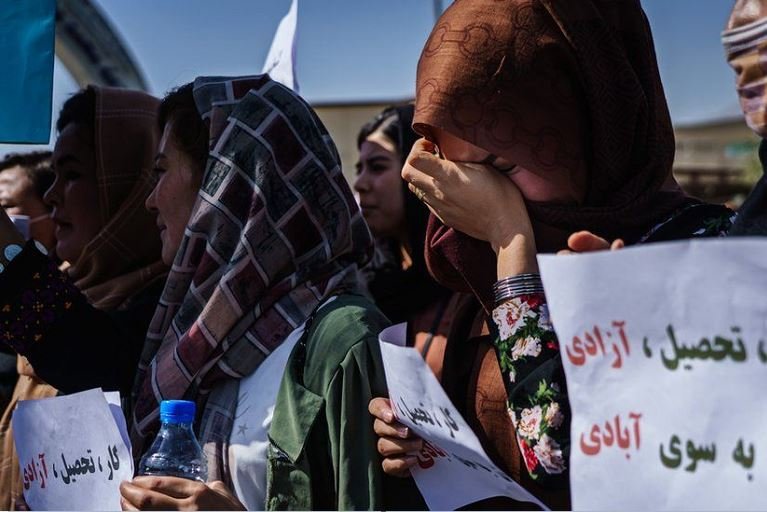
[
  {"x": 453, "y": 470},
  {"x": 115, "y": 407},
  {"x": 26, "y": 89},
  {"x": 665, "y": 357},
  {"x": 72, "y": 453}
]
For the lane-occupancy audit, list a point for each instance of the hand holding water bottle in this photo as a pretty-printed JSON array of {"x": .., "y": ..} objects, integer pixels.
[
  {"x": 173, "y": 493},
  {"x": 174, "y": 470}
]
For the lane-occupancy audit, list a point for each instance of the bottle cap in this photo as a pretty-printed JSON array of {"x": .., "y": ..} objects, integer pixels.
[{"x": 177, "y": 411}]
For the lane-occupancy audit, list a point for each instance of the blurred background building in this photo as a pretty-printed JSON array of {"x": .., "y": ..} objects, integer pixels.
[{"x": 717, "y": 160}]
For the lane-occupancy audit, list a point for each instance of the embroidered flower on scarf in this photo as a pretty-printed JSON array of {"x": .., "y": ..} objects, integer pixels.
[
  {"x": 527, "y": 346},
  {"x": 530, "y": 423},
  {"x": 540, "y": 417},
  {"x": 531, "y": 460},
  {"x": 554, "y": 416},
  {"x": 533, "y": 301},
  {"x": 511, "y": 316},
  {"x": 549, "y": 454}
]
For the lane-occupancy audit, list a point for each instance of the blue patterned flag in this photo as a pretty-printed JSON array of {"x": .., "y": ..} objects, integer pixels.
[{"x": 26, "y": 46}]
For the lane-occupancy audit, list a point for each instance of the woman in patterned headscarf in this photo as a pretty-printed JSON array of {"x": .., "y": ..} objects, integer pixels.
[
  {"x": 103, "y": 302},
  {"x": 543, "y": 118},
  {"x": 263, "y": 283}
]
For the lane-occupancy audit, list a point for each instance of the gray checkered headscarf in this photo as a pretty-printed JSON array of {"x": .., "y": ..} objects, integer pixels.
[{"x": 274, "y": 231}]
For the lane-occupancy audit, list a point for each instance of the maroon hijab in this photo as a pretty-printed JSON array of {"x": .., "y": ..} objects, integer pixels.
[{"x": 570, "y": 92}]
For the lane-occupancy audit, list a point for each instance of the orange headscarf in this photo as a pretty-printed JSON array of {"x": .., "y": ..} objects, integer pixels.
[
  {"x": 123, "y": 258},
  {"x": 125, "y": 255},
  {"x": 568, "y": 91}
]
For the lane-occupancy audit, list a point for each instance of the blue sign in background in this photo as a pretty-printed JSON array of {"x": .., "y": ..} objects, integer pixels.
[{"x": 27, "y": 30}]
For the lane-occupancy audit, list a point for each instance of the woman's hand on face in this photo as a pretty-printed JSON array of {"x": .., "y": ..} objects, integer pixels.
[
  {"x": 171, "y": 493},
  {"x": 396, "y": 443},
  {"x": 473, "y": 198},
  {"x": 586, "y": 241}
]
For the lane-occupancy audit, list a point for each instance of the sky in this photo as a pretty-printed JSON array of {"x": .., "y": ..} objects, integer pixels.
[{"x": 356, "y": 50}]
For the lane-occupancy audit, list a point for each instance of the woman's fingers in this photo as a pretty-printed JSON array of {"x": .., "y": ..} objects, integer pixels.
[
  {"x": 393, "y": 447},
  {"x": 141, "y": 498},
  {"x": 586, "y": 241},
  {"x": 386, "y": 423},
  {"x": 424, "y": 145},
  {"x": 126, "y": 505},
  {"x": 170, "y": 493},
  {"x": 381, "y": 409},
  {"x": 383, "y": 429},
  {"x": 422, "y": 163},
  {"x": 399, "y": 466},
  {"x": 220, "y": 487},
  {"x": 417, "y": 178},
  {"x": 219, "y": 497},
  {"x": 169, "y": 485}
]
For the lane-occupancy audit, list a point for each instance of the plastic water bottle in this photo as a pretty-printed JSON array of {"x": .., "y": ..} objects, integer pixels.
[{"x": 175, "y": 451}]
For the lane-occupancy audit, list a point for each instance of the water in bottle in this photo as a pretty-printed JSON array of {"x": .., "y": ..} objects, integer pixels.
[{"x": 175, "y": 451}]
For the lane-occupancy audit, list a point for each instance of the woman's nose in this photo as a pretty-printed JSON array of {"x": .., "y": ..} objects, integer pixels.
[
  {"x": 52, "y": 196},
  {"x": 150, "y": 203},
  {"x": 362, "y": 183}
]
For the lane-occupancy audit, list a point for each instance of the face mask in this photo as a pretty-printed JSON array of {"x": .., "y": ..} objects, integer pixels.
[
  {"x": 21, "y": 222},
  {"x": 39, "y": 218},
  {"x": 746, "y": 49}
]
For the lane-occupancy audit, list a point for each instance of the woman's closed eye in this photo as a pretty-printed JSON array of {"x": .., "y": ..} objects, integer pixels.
[{"x": 499, "y": 164}]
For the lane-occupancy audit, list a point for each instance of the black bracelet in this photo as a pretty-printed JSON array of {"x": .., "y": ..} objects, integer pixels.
[{"x": 514, "y": 286}]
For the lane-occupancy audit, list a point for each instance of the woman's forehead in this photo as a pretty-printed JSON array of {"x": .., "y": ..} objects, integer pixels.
[
  {"x": 377, "y": 142},
  {"x": 75, "y": 141}
]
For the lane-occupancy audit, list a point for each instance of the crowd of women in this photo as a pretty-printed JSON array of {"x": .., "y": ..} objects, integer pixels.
[{"x": 207, "y": 247}]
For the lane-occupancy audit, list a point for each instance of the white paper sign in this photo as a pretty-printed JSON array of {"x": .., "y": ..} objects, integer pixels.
[
  {"x": 453, "y": 470},
  {"x": 666, "y": 362},
  {"x": 115, "y": 407},
  {"x": 71, "y": 451}
]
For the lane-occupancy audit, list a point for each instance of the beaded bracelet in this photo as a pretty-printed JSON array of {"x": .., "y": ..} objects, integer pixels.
[{"x": 514, "y": 286}]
